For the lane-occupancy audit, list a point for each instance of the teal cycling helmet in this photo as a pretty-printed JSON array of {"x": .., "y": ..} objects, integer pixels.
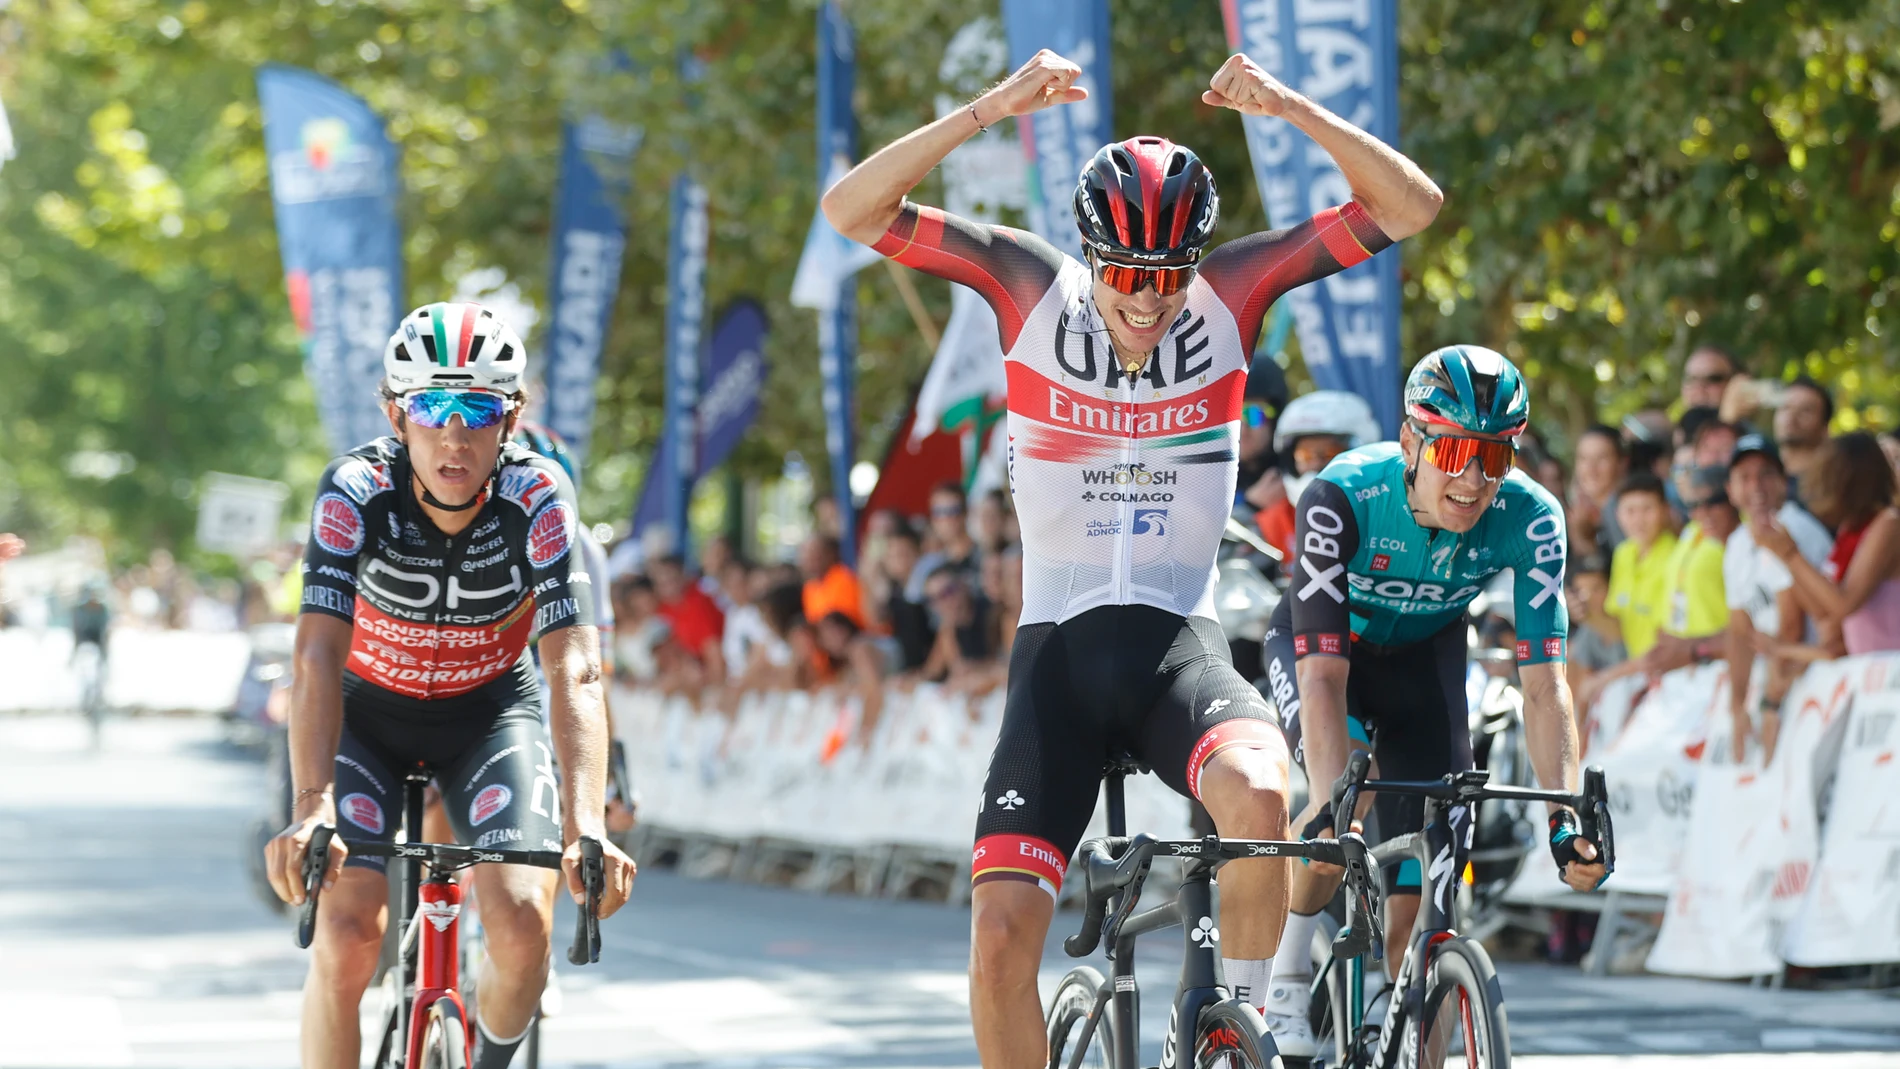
[{"x": 1469, "y": 388}]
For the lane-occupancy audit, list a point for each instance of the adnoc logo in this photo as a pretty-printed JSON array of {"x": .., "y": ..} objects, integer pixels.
[{"x": 329, "y": 164}]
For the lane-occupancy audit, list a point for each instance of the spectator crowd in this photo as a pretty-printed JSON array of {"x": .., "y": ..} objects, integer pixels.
[{"x": 1726, "y": 526}]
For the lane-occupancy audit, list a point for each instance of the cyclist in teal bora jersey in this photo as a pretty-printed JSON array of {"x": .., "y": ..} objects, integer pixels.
[{"x": 1393, "y": 542}]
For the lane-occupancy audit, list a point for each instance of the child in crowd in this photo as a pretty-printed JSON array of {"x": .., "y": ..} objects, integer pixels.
[
  {"x": 1596, "y": 639},
  {"x": 1639, "y": 571}
]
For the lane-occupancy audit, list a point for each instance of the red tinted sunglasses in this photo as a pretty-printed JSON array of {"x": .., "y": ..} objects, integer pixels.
[
  {"x": 1122, "y": 278},
  {"x": 1452, "y": 454}
]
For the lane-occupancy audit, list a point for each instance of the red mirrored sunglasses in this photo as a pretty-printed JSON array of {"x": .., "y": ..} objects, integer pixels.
[
  {"x": 1452, "y": 454},
  {"x": 1123, "y": 278}
]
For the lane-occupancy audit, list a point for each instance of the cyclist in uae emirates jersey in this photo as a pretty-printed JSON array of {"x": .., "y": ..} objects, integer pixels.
[
  {"x": 434, "y": 555},
  {"x": 1394, "y": 540},
  {"x": 1125, "y": 379}
]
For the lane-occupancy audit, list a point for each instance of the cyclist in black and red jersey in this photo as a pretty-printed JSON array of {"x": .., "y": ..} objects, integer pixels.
[
  {"x": 1125, "y": 384},
  {"x": 434, "y": 555}
]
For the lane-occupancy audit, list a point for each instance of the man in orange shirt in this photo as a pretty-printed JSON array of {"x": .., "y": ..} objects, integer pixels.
[{"x": 829, "y": 585}]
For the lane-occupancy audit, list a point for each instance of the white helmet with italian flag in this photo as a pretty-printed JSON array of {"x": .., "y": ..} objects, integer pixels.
[{"x": 454, "y": 345}]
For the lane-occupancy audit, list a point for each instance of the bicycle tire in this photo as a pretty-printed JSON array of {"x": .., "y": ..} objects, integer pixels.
[
  {"x": 1068, "y": 1016},
  {"x": 444, "y": 1038},
  {"x": 1461, "y": 991},
  {"x": 1231, "y": 1035}
]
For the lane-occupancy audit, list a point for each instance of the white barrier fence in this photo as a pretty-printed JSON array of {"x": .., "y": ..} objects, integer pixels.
[
  {"x": 793, "y": 766},
  {"x": 1794, "y": 862},
  {"x": 161, "y": 670}
]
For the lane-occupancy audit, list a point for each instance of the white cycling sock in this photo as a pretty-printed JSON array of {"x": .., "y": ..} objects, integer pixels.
[
  {"x": 1247, "y": 978},
  {"x": 1294, "y": 962}
]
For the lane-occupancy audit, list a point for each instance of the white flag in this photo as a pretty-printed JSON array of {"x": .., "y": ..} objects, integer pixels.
[
  {"x": 829, "y": 259},
  {"x": 6, "y": 136}
]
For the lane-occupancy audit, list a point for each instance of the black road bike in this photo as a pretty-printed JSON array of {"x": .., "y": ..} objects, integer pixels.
[
  {"x": 1446, "y": 1003},
  {"x": 425, "y": 1024},
  {"x": 1095, "y": 1021}
]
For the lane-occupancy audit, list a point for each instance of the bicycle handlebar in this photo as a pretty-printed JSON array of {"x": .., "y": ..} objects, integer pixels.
[
  {"x": 1473, "y": 785},
  {"x": 449, "y": 857},
  {"x": 1110, "y": 864}
]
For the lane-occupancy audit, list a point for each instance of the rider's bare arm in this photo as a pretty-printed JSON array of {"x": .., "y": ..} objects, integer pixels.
[
  {"x": 1550, "y": 730},
  {"x": 1392, "y": 189},
  {"x": 866, "y": 201},
  {"x": 577, "y": 718},
  {"x": 316, "y": 724}
]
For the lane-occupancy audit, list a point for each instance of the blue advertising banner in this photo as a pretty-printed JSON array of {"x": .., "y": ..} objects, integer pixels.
[
  {"x": 590, "y": 233},
  {"x": 685, "y": 319},
  {"x": 1344, "y": 55},
  {"x": 1060, "y": 140},
  {"x": 334, "y": 185},
  {"x": 733, "y": 379},
  {"x": 838, "y": 324}
]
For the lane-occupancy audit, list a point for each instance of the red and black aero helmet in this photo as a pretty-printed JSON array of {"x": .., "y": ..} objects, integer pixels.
[{"x": 1146, "y": 200}]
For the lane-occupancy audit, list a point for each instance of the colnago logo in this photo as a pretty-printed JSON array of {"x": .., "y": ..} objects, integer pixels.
[
  {"x": 1139, "y": 497},
  {"x": 1131, "y": 475}
]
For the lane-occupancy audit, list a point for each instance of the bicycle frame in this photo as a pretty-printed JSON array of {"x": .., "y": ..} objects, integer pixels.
[
  {"x": 430, "y": 956},
  {"x": 1440, "y": 847},
  {"x": 1194, "y": 907}
]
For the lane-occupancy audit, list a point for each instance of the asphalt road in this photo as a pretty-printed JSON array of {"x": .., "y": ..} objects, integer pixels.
[{"x": 129, "y": 936}]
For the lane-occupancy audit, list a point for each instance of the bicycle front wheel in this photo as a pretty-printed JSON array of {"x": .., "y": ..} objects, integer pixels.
[
  {"x": 1232, "y": 1036},
  {"x": 445, "y": 1038},
  {"x": 1074, "y": 1039},
  {"x": 1464, "y": 1023}
]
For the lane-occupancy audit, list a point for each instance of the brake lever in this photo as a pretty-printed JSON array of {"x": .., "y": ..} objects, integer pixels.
[
  {"x": 1595, "y": 817},
  {"x": 586, "y": 948},
  {"x": 1362, "y": 922},
  {"x": 1346, "y": 789},
  {"x": 316, "y": 861}
]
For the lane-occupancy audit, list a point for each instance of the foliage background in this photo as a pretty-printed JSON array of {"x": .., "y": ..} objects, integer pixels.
[{"x": 1625, "y": 179}]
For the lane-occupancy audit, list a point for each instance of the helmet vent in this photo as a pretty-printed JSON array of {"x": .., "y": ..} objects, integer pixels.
[
  {"x": 475, "y": 347},
  {"x": 402, "y": 353},
  {"x": 428, "y": 346},
  {"x": 1176, "y": 164},
  {"x": 507, "y": 354},
  {"x": 1484, "y": 389}
]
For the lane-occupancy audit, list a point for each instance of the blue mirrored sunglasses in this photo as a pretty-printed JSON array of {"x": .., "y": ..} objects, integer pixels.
[{"x": 479, "y": 409}]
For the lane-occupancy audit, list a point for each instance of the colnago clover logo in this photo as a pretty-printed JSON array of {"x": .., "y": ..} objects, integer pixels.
[
  {"x": 1204, "y": 933},
  {"x": 1150, "y": 521},
  {"x": 1011, "y": 801}
]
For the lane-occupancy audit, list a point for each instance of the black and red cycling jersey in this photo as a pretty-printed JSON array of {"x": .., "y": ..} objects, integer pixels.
[{"x": 438, "y": 616}]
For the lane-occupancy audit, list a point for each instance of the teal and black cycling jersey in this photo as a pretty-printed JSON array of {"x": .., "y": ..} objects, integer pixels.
[{"x": 1368, "y": 572}]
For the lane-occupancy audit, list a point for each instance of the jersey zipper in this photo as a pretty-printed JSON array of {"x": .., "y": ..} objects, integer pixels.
[{"x": 1130, "y": 455}]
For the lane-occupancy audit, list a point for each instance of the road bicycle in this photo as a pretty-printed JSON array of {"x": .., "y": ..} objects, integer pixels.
[
  {"x": 1446, "y": 1002},
  {"x": 425, "y": 1024},
  {"x": 1095, "y": 1021}
]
